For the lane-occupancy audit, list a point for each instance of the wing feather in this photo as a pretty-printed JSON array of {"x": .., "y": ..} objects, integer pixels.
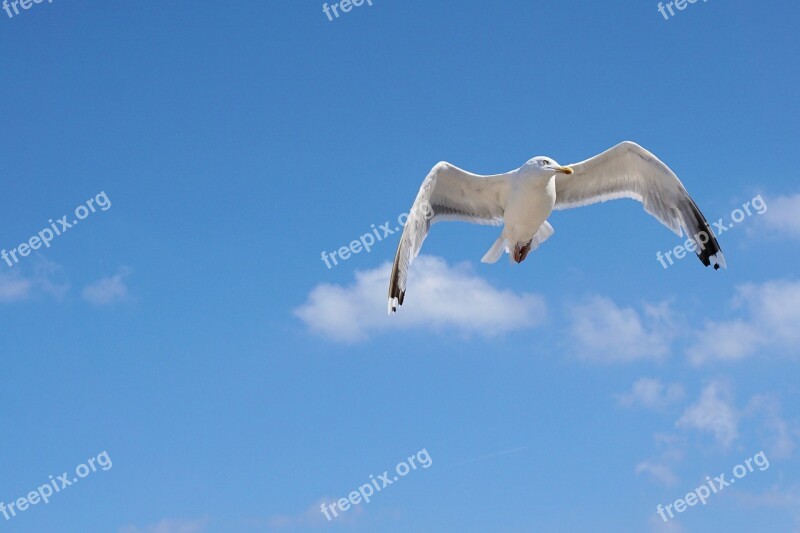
[
  {"x": 447, "y": 193},
  {"x": 629, "y": 171}
]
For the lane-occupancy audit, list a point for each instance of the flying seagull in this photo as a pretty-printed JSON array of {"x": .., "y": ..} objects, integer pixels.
[{"x": 521, "y": 201}]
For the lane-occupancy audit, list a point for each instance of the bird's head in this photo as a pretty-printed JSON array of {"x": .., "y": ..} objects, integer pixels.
[{"x": 546, "y": 166}]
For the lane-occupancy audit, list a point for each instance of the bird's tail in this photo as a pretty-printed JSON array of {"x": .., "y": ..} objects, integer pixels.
[{"x": 495, "y": 251}]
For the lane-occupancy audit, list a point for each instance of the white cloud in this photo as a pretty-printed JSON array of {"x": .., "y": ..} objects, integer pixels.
[
  {"x": 108, "y": 290},
  {"x": 783, "y": 215},
  {"x": 657, "y": 525},
  {"x": 776, "y": 496},
  {"x": 652, "y": 394},
  {"x": 772, "y": 322},
  {"x": 169, "y": 526},
  {"x": 672, "y": 447},
  {"x": 776, "y": 432},
  {"x": 605, "y": 332},
  {"x": 765, "y": 318},
  {"x": 657, "y": 472},
  {"x": 439, "y": 297},
  {"x": 15, "y": 286},
  {"x": 714, "y": 412},
  {"x": 671, "y": 451},
  {"x": 314, "y": 517}
]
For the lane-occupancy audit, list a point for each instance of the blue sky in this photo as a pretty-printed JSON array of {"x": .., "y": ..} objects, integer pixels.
[{"x": 192, "y": 331}]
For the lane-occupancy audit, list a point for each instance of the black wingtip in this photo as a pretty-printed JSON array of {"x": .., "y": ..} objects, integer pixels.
[{"x": 708, "y": 248}]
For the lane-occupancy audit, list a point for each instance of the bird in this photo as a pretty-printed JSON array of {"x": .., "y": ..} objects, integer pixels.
[{"x": 521, "y": 201}]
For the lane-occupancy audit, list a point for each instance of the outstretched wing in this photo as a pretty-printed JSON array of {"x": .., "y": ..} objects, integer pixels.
[
  {"x": 629, "y": 171},
  {"x": 448, "y": 193}
]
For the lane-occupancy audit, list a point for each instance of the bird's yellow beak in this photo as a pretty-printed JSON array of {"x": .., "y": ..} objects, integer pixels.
[{"x": 564, "y": 170}]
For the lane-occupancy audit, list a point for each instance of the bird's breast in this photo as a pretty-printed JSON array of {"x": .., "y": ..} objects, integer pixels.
[{"x": 529, "y": 205}]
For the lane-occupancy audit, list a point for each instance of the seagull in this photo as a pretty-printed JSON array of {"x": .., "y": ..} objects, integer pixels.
[{"x": 521, "y": 201}]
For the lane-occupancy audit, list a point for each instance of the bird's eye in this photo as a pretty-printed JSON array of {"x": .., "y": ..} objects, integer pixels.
[{"x": 545, "y": 162}]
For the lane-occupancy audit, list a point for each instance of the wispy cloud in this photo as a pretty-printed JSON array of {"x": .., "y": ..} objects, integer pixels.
[
  {"x": 670, "y": 451},
  {"x": 652, "y": 394},
  {"x": 602, "y": 331},
  {"x": 783, "y": 216},
  {"x": 714, "y": 412},
  {"x": 440, "y": 297},
  {"x": 659, "y": 473},
  {"x": 312, "y": 517},
  {"x": 764, "y": 318},
  {"x": 106, "y": 291},
  {"x": 775, "y": 496},
  {"x": 14, "y": 288},
  {"x": 657, "y": 525},
  {"x": 777, "y": 434},
  {"x": 46, "y": 279},
  {"x": 770, "y": 321},
  {"x": 671, "y": 447},
  {"x": 169, "y": 525}
]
